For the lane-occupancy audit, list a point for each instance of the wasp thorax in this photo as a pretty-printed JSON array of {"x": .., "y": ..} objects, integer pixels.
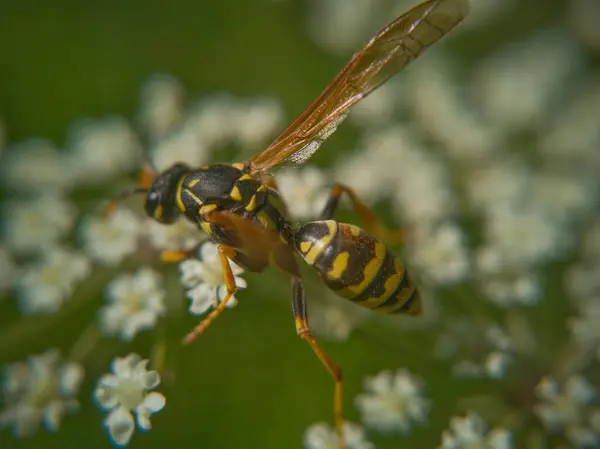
[{"x": 160, "y": 202}]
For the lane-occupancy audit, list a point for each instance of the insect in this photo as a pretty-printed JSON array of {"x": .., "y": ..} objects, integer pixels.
[{"x": 239, "y": 207}]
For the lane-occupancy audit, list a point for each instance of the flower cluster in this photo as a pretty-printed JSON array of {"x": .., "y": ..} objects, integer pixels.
[{"x": 491, "y": 168}]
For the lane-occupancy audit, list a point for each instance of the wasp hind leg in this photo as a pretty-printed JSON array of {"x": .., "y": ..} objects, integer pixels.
[
  {"x": 371, "y": 222},
  {"x": 224, "y": 253},
  {"x": 303, "y": 330}
]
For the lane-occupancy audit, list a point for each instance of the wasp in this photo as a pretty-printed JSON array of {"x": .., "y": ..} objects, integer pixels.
[{"x": 239, "y": 207}]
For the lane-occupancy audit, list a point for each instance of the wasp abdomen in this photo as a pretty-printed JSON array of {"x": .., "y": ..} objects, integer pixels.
[{"x": 357, "y": 266}]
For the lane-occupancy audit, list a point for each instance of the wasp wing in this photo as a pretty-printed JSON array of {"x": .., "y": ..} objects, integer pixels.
[{"x": 382, "y": 57}]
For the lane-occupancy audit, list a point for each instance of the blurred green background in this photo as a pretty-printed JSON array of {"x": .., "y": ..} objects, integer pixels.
[{"x": 249, "y": 382}]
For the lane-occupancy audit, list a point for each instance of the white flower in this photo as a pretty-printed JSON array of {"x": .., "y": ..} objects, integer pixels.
[
  {"x": 392, "y": 401},
  {"x": 586, "y": 327},
  {"x": 179, "y": 236},
  {"x": 36, "y": 223},
  {"x": 40, "y": 390},
  {"x": 481, "y": 350},
  {"x": 203, "y": 279},
  {"x": 322, "y": 436},
  {"x": 471, "y": 432},
  {"x": 504, "y": 281},
  {"x": 423, "y": 194},
  {"x": 33, "y": 165},
  {"x": 334, "y": 318},
  {"x": 8, "y": 270},
  {"x": 210, "y": 120},
  {"x": 180, "y": 146},
  {"x": 525, "y": 236},
  {"x": 135, "y": 302},
  {"x": 583, "y": 280},
  {"x": 256, "y": 121},
  {"x": 161, "y": 105},
  {"x": 573, "y": 136},
  {"x": 384, "y": 157},
  {"x": 570, "y": 409},
  {"x": 441, "y": 254},
  {"x": 127, "y": 391},
  {"x": 109, "y": 239},
  {"x": 518, "y": 86},
  {"x": 444, "y": 115},
  {"x": 49, "y": 282},
  {"x": 305, "y": 191},
  {"x": 99, "y": 149}
]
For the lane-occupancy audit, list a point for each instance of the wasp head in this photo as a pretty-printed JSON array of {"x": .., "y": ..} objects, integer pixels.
[{"x": 160, "y": 201}]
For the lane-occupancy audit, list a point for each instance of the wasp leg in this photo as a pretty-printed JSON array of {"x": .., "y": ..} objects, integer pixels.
[
  {"x": 300, "y": 318},
  {"x": 371, "y": 222},
  {"x": 224, "y": 253},
  {"x": 175, "y": 256}
]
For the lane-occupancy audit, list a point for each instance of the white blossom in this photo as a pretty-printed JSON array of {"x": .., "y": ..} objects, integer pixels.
[
  {"x": 504, "y": 281},
  {"x": 182, "y": 145},
  {"x": 518, "y": 86},
  {"x": 161, "y": 105},
  {"x": 127, "y": 391},
  {"x": 441, "y": 254},
  {"x": 109, "y": 239},
  {"x": 570, "y": 408},
  {"x": 393, "y": 401},
  {"x": 203, "y": 279},
  {"x": 586, "y": 326},
  {"x": 210, "y": 120},
  {"x": 334, "y": 318},
  {"x": 102, "y": 148},
  {"x": 39, "y": 222},
  {"x": 582, "y": 280},
  {"x": 322, "y": 436},
  {"x": 179, "y": 236},
  {"x": 484, "y": 350},
  {"x": 305, "y": 191},
  {"x": 256, "y": 121},
  {"x": 50, "y": 281},
  {"x": 135, "y": 302},
  {"x": 471, "y": 432},
  {"x": 41, "y": 390},
  {"x": 34, "y": 164}
]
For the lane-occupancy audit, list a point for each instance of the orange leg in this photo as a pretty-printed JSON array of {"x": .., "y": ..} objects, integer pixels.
[
  {"x": 303, "y": 330},
  {"x": 371, "y": 222},
  {"x": 224, "y": 252},
  {"x": 175, "y": 256}
]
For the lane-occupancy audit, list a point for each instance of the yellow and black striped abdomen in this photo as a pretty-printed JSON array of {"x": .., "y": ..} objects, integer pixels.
[{"x": 357, "y": 266}]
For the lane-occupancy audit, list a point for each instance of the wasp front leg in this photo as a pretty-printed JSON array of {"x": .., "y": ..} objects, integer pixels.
[
  {"x": 303, "y": 330},
  {"x": 225, "y": 252},
  {"x": 371, "y": 222}
]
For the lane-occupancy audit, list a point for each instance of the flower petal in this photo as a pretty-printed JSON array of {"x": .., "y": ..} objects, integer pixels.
[{"x": 120, "y": 426}]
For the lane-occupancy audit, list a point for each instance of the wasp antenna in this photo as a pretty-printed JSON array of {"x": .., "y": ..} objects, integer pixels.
[{"x": 112, "y": 203}]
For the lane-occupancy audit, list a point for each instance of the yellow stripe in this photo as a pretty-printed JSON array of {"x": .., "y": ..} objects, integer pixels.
[
  {"x": 197, "y": 200},
  {"x": 305, "y": 246},
  {"x": 236, "y": 194},
  {"x": 206, "y": 227},
  {"x": 178, "y": 198},
  {"x": 370, "y": 271},
  {"x": 158, "y": 212},
  {"x": 193, "y": 182},
  {"x": 354, "y": 230},
  {"x": 245, "y": 177},
  {"x": 252, "y": 204},
  {"x": 340, "y": 264},
  {"x": 321, "y": 245},
  {"x": 207, "y": 208},
  {"x": 238, "y": 165}
]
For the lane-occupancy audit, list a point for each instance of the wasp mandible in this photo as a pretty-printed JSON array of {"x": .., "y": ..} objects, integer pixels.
[{"x": 239, "y": 207}]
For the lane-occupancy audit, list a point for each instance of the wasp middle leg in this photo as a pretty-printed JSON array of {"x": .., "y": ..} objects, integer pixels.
[
  {"x": 303, "y": 330},
  {"x": 371, "y": 222},
  {"x": 225, "y": 252}
]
